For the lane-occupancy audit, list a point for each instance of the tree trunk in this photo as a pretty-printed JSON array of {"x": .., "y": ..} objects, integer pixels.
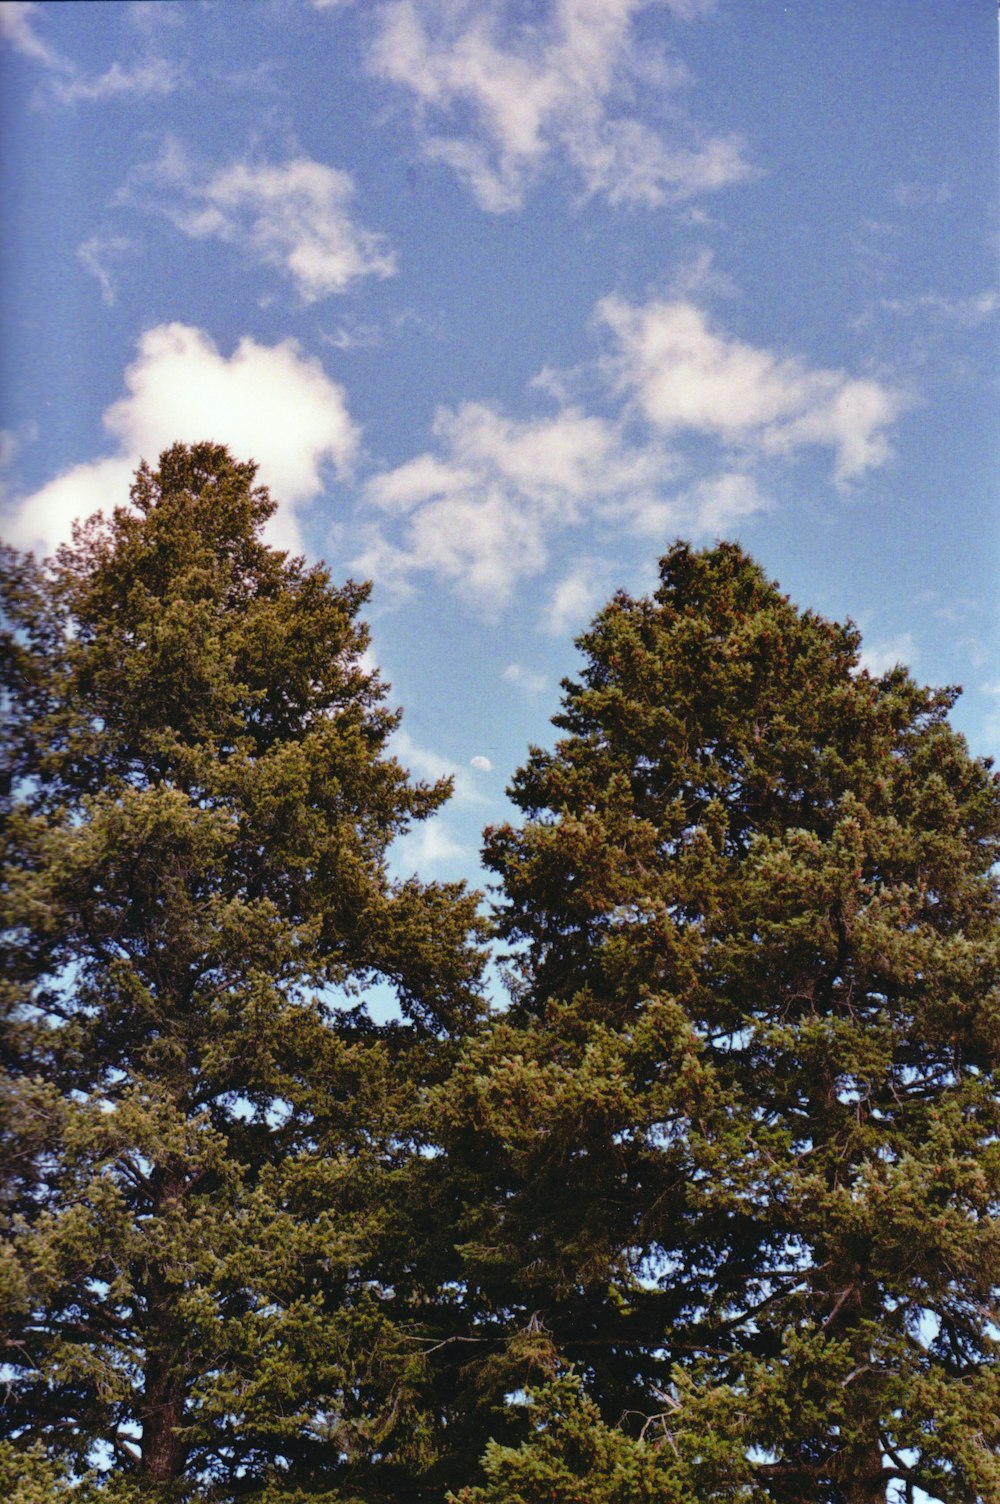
[
  {"x": 163, "y": 1451},
  {"x": 863, "y": 1475}
]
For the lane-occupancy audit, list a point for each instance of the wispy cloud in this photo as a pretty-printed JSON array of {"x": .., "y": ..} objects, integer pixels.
[
  {"x": 879, "y": 656},
  {"x": 17, "y": 26},
  {"x": 575, "y": 597},
  {"x": 528, "y": 679},
  {"x": 154, "y": 76},
  {"x": 148, "y": 76},
  {"x": 96, "y": 255},
  {"x": 295, "y": 216},
  {"x": 967, "y": 312},
  {"x": 152, "y": 15},
  {"x": 424, "y": 763},
  {"x": 269, "y": 402},
  {"x": 922, "y": 195},
  {"x": 500, "y": 99},
  {"x": 683, "y": 375},
  {"x": 430, "y": 849}
]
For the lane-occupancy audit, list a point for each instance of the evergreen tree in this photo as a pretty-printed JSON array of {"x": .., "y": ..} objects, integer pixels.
[
  {"x": 209, "y": 1285},
  {"x": 734, "y": 1147}
]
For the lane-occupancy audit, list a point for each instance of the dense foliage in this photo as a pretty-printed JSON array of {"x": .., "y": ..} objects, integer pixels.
[
  {"x": 735, "y": 1143},
  {"x": 708, "y": 1212},
  {"x": 208, "y": 1280}
]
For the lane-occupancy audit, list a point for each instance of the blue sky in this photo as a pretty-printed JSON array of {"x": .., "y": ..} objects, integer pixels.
[{"x": 505, "y": 295}]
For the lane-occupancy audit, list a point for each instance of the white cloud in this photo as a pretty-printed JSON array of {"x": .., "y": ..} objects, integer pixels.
[
  {"x": 428, "y": 849},
  {"x": 150, "y": 76},
  {"x": 155, "y": 76},
  {"x": 269, "y": 403},
  {"x": 528, "y": 679},
  {"x": 721, "y": 500},
  {"x": 967, "y": 312},
  {"x": 295, "y": 216},
  {"x": 95, "y": 256},
  {"x": 430, "y": 766},
  {"x": 710, "y": 508},
  {"x": 487, "y": 506},
  {"x": 13, "y": 441},
  {"x": 148, "y": 15},
  {"x": 683, "y": 375},
  {"x": 481, "y": 515},
  {"x": 922, "y": 195},
  {"x": 700, "y": 275},
  {"x": 16, "y": 18},
  {"x": 422, "y": 762},
  {"x": 879, "y": 657},
  {"x": 499, "y": 101},
  {"x": 574, "y": 599}
]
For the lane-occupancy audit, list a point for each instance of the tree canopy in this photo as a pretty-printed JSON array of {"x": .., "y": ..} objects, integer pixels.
[
  {"x": 736, "y": 1138},
  {"x": 207, "y": 1275},
  {"x": 706, "y": 1211}
]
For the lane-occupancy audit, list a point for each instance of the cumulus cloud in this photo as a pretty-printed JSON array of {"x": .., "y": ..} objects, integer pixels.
[
  {"x": 268, "y": 402},
  {"x": 295, "y": 216},
  {"x": 683, "y": 375},
  {"x": 487, "y": 506},
  {"x": 710, "y": 507},
  {"x": 480, "y": 513},
  {"x": 500, "y": 100}
]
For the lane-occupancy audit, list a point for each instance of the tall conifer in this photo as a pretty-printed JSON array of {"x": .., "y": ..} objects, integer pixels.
[
  {"x": 736, "y": 1141},
  {"x": 208, "y": 1286}
]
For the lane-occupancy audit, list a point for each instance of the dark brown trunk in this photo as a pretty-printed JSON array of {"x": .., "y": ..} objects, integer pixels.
[
  {"x": 863, "y": 1476},
  {"x": 858, "y": 1467},
  {"x": 164, "y": 1452}
]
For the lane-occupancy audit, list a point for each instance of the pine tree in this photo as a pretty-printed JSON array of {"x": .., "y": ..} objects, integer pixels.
[
  {"x": 734, "y": 1147},
  {"x": 208, "y": 1287}
]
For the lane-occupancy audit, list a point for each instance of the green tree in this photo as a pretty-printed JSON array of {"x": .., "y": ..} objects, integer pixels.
[
  {"x": 574, "y": 1457},
  {"x": 210, "y": 1286},
  {"x": 735, "y": 1143}
]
